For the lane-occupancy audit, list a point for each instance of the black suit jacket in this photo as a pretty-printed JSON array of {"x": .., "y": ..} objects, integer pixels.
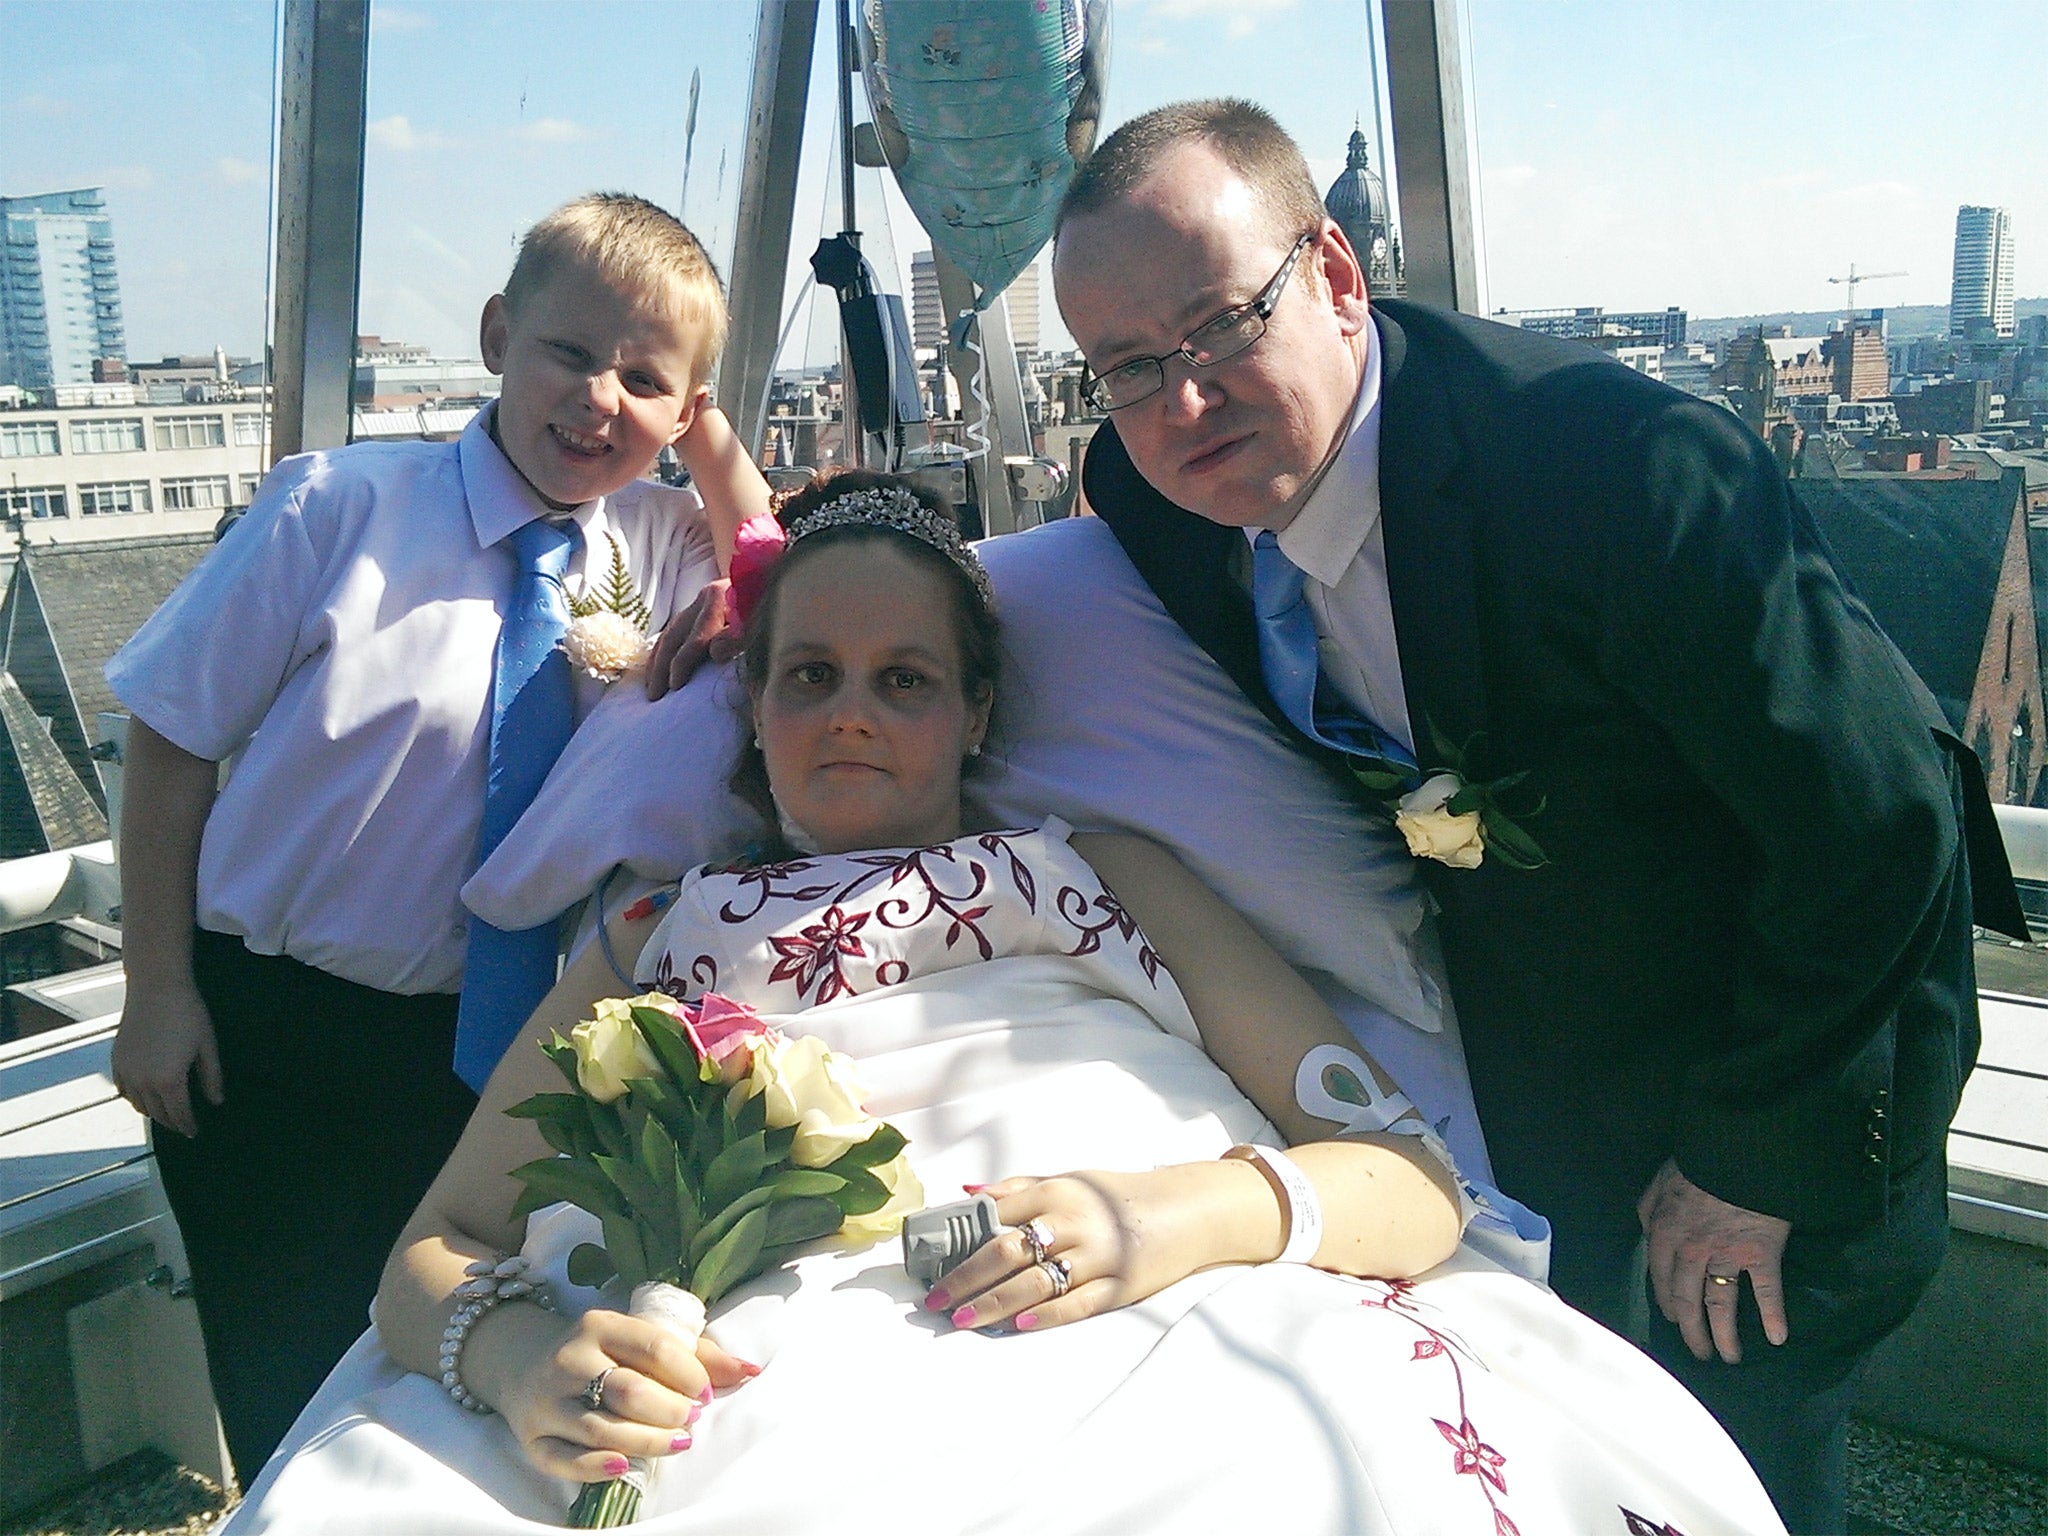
[{"x": 1750, "y": 947}]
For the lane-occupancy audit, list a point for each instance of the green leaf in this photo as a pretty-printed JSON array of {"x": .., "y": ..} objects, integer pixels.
[
  {"x": 780, "y": 1141},
  {"x": 879, "y": 1148},
  {"x": 540, "y": 1106},
  {"x": 734, "y": 1171},
  {"x": 863, "y": 1193},
  {"x": 563, "y": 1055},
  {"x": 552, "y": 1179},
  {"x": 590, "y": 1265},
  {"x": 664, "y": 1036},
  {"x": 1515, "y": 848},
  {"x": 802, "y": 1220},
  {"x": 1471, "y": 798},
  {"x": 752, "y": 1117},
  {"x": 725, "y": 1220},
  {"x": 709, "y": 1140},
  {"x": 622, "y": 1243},
  {"x": 734, "y": 1258},
  {"x": 794, "y": 1182},
  {"x": 689, "y": 1215}
]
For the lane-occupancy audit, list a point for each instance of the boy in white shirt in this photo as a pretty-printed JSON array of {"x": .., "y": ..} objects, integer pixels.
[{"x": 296, "y": 944}]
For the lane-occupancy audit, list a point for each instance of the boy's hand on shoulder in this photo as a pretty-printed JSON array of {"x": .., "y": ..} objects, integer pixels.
[
  {"x": 699, "y": 633},
  {"x": 165, "y": 1032}
]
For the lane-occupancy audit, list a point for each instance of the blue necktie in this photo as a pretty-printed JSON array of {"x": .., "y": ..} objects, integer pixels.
[
  {"x": 1289, "y": 662},
  {"x": 506, "y": 974}
]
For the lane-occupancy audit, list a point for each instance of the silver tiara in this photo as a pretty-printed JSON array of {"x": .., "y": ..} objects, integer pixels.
[{"x": 900, "y": 511}]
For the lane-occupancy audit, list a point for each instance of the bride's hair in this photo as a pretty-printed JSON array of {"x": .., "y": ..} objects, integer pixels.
[{"x": 975, "y": 627}]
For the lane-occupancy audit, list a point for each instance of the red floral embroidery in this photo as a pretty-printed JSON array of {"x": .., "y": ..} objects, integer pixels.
[
  {"x": 1473, "y": 1454},
  {"x": 815, "y": 954},
  {"x": 1078, "y": 907},
  {"x": 1643, "y": 1525}
]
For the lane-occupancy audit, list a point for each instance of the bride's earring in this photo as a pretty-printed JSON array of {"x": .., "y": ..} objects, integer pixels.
[{"x": 974, "y": 749}]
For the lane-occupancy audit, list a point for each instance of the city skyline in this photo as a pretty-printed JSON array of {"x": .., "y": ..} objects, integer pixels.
[{"x": 1690, "y": 192}]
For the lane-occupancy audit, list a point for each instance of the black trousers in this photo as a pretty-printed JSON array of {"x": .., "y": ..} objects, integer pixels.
[
  {"x": 1786, "y": 1406},
  {"x": 341, "y": 1104}
]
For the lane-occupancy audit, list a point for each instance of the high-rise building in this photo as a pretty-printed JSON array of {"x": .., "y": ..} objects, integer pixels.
[
  {"x": 1981, "y": 295},
  {"x": 60, "y": 297},
  {"x": 928, "y": 316},
  {"x": 1666, "y": 327}
]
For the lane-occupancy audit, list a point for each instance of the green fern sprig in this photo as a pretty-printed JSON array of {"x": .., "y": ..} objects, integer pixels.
[{"x": 617, "y": 593}]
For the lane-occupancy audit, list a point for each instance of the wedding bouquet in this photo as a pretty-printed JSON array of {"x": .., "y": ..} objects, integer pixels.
[{"x": 710, "y": 1147}]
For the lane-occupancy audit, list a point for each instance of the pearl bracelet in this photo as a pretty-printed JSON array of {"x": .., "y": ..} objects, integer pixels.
[
  {"x": 1304, "y": 1209},
  {"x": 490, "y": 1282}
]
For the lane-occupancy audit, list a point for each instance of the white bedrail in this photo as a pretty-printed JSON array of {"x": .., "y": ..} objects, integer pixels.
[{"x": 48, "y": 887}]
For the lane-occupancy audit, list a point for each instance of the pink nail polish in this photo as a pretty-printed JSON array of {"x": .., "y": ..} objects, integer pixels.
[
  {"x": 696, "y": 1412},
  {"x": 616, "y": 1466},
  {"x": 938, "y": 1301},
  {"x": 749, "y": 1370},
  {"x": 1027, "y": 1321},
  {"x": 706, "y": 1395},
  {"x": 963, "y": 1317},
  {"x": 974, "y": 1189},
  {"x": 681, "y": 1442}
]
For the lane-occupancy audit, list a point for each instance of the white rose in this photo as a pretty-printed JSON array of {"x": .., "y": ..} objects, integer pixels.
[
  {"x": 1433, "y": 832},
  {"x": 609, "y": 1051},
  {"x": 816, "y": 1091},
  {"x": 606, "y": 645},
  {"x": 906, "y": 1194}
]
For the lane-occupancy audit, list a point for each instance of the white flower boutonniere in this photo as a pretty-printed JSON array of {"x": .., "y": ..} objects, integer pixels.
[
  {"x": 1450, "y": 816},
  {"x": 607, "y": 635}
]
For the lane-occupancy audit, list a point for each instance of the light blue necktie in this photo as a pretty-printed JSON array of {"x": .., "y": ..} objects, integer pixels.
[
  {"x": 506, "y": 974},
  {"x": 1289, "y": 661}
]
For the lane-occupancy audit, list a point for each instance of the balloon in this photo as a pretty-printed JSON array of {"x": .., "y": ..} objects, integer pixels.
[{"x": 983, "y": 109}]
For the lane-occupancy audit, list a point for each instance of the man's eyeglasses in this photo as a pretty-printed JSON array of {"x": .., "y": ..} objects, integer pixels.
[{"x": 1206, "y": 345}]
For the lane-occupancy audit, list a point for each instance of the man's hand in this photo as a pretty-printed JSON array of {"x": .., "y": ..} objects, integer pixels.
[
  {"x": 164, "y": 1033},
  {"x": 1694, "y": 1235},
  {"x": 699, "y": 633}
]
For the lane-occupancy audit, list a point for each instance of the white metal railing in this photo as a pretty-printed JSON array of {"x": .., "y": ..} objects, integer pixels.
[{"x": 2025, "y": 833}]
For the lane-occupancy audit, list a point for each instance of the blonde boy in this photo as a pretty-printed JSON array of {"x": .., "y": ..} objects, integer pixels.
[{"x": 296, "y": 944}]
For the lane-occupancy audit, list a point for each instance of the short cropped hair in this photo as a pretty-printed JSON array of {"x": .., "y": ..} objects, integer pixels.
[
  {"x": 636, "y": 247},
  {"x": 1242, "y": 132}
]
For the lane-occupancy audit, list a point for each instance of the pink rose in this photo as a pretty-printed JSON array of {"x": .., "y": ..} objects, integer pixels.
[{"x": 724, "y": 1033}]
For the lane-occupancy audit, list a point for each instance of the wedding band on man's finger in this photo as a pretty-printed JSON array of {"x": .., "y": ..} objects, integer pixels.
[{"x": 1722, "y": 1284}]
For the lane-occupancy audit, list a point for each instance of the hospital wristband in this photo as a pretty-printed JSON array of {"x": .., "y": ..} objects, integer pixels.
[{"x": 1304, "y": 1210}]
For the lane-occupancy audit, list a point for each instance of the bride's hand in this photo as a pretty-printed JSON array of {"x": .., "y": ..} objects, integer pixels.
[
  {"x": 654, "y": 1388},
  {"x": 1119, "y": 1236}
]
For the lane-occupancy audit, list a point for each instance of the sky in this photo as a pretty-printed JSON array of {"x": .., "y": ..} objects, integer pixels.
[{"x": 1728, "y": 157}]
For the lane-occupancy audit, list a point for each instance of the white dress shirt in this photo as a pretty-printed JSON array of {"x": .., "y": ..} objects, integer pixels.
[
  {"x": 339, "y": 646},
  {"x": 1338, "y": 542}
]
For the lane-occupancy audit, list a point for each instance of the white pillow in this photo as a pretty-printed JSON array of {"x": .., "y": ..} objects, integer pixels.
[{"x": 1109, "y": 717}]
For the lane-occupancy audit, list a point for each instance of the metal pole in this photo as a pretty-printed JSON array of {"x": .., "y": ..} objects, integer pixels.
[
  {"x": 784, "y": 36},
  {"x": 321, "y": 111},
  {"x": 848, "y": 224},
  {"x": 1427, "y": 93}
]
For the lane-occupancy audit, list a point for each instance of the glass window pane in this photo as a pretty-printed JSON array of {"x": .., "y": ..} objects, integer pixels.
[{"x": 477, "y": 130}]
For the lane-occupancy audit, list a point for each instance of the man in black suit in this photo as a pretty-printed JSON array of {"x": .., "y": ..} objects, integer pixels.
[{"x": 1732, "y": 1006}]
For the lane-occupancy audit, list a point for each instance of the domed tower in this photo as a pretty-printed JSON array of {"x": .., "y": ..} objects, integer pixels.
[{"x": 1357, "y": 200}]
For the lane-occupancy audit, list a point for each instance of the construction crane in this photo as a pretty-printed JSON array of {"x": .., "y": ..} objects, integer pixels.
[{"x": 1856, "y": 277}]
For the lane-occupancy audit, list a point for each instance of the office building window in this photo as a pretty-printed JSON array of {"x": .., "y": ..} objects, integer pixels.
[
  {"x": 248, "y": 429},
  {"x": 113, "y": 498},
  {"x": 32, "y": 500},
  {"x": 28, "y": 439},
  {"x": 249, "y": 485},
  {"x": 208, "y": 431},
  {"x": 116, "y": 434},
  {"x": 201, "y": 493}
]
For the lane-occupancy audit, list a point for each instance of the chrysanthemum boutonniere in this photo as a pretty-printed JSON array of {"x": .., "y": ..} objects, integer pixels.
[
  {"x": 1450, "y": 815},
  {"x": 607, "y": 635}
]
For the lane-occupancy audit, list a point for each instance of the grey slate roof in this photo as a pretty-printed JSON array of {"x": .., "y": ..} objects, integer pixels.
[
  {"x": 43, "y": 805},
  {"x": 68, "y": 608},
  {"x": 1925, "y": 556}
]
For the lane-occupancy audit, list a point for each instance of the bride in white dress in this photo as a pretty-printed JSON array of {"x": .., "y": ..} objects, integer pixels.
[{"x": 1019, "y": 1002}]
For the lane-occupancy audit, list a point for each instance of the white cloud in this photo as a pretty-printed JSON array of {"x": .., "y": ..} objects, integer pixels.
[
  {"x": 397, "y": 133},
  {"x": 230, "y": 169},
  {"x": 392, "y": 18},
  {"x": 552, "y": 130}
]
